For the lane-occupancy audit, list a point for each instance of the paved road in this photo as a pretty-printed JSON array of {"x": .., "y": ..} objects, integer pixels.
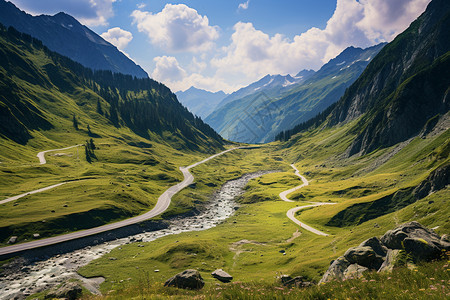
[
  {"x": 161, "y": 206},
  {"x": 283, "y": 195},
  {"x": 291, "y": 213},
  {"x": 41, "y": 155},
  {"x": 32, "y": 192}
]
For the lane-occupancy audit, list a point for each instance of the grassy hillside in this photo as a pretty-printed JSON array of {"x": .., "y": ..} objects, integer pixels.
[
  {"x": 374, "y": 191},
  {"x": 141, "y": 134},
  {"x": 248, "y": 244}
]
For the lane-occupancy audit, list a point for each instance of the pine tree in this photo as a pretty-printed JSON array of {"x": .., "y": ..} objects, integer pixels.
[{"x": 75, "y": 122}]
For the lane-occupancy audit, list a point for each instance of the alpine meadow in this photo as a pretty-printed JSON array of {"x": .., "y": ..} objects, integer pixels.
[{"x": 225, "y": 150}]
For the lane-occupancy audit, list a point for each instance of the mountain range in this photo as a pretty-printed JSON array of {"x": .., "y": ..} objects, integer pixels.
[
  {"x": 64, "y": 34},
  {"x": 200, "y": 102},
  {"x": 260, "y": 111}
]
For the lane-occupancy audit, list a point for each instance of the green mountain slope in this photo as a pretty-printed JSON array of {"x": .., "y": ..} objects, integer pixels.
[
  {"x": 136, "y": 130},
  {"x": 258, "y": 117},
  {"x": 404, "y": 87}
]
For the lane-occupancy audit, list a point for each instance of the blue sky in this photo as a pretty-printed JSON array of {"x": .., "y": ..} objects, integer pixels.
[{"x": 227, "y": 44}]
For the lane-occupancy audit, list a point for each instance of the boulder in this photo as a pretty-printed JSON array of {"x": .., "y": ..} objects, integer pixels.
[
  {"x": 354, "y": 271},
  {"x": 364, "y": 256},
  {"x": 336, "y": 270},
  {"x": 376, "y": 245},
  {"x": 221, "y": 275},
  {"x": 421, "y": 242},
  {"x": 285, "y": 279},
  {"x": 188, "y": 279},
  {"x": 12, "y": 240},
  {"x": 68, "y": 290},
  {"x": 392, "y": 260}
]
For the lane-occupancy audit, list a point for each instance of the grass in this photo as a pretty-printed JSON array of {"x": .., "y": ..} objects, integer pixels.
[
  {"x": 430, "y": 280},
  {"x": 248, "y": 244}
]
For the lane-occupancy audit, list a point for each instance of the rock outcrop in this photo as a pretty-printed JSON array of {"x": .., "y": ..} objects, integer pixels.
[
  {"x": 409, "y": 241},
  {"x": 188, "y": 279},
  {"x": 221, "y": 275}
]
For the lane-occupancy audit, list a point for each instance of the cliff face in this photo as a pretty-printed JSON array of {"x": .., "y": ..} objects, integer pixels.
[{"x": 404, "y": 86}]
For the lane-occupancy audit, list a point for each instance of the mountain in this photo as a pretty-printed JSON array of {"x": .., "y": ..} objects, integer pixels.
[
  {"x": 259, "y": 116},
  {"x": 64, "y": 34},
  {"x": 200, "y": 102},
  {"x": 30, "y": 72},
  {"x": 405, "y": 89},
  {"x": 386, "y": 142},
  {"x": 270, "y": 84},
  {"x": 134, "y": 131}
]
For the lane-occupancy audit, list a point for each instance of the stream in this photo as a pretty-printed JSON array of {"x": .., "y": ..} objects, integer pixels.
[{"x": 23, "y": 278}]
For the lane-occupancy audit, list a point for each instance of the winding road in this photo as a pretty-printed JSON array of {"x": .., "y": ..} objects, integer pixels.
[
  {"x": 41, "y": 155},
  {"x": 291, "y": 213},
  {"x": 161, "y": 205}
]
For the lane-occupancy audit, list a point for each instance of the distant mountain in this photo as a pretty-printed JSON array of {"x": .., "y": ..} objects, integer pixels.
[
  {"x": 270, "y": 84},
  {"x": 200, "y": 102},
  {"x": 64, "y": 34},
  {"x": 259, "y": 116}
]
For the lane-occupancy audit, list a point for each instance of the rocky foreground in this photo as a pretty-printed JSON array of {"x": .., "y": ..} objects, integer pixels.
[{"x": 406, "y": 245}]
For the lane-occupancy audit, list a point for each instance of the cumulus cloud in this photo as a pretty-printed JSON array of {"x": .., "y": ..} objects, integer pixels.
[
  {"x": 244, "y": 5},
  {"x": 88, "y": 12},
  {"x": 177, "y": 28},
  {"x": 354, "y": 23},
  {"x": 118, "y": 37},
  {"x": 169, "y": 72},
  {"x": 168, "y": 69}
]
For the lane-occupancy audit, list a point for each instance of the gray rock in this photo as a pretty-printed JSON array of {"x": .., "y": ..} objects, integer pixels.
[
  {"x": 188, "y": 279},
  {"x": 68, "y": 290},
  {"x": 364, "y": 256},
  {"x": 376, "y": 245},
  {"x": 12, "y": 240},
  {"x": 421, "y": 242},
  {"x": 391, "y": 261},
  {"x": 336, "y": 270},
  {"x": 354, "y": 271},
  {"x": 221, "y": 275},
  {"x": 285, "y": 279}
]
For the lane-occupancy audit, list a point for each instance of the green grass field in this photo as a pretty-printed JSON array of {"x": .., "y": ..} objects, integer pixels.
[{"x": 247, "y": 245}]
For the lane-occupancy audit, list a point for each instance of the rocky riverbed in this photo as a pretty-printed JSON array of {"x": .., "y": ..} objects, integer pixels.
[{"x": 24, "y": 276}]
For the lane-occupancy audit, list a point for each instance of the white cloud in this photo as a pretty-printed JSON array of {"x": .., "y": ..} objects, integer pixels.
[
  {"x": 118, "y": 37},
  {"x": 169, "y": 72},
  {"x": 244, "y": 5},
  {"x": 253, "y": 53},
  {"x": 167, "y": 69},
  {"x": 177, "y": 28},
  {"x": 141, "y": 5},
  {"x": 88, "y": 12}
]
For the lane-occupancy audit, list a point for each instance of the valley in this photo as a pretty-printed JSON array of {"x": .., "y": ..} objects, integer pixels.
[{"x": 328, "y": 184}]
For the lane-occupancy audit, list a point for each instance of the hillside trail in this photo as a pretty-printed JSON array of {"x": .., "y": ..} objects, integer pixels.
[
  {"x": 161, "y": 206},
  {"x": 41, "y": 155},
  {"x": 291, "y": 213},
  {"x": 42, "y": 161}
]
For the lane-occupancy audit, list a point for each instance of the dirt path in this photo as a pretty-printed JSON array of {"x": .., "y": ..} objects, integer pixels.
[{"x": 291, "y": 213}]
